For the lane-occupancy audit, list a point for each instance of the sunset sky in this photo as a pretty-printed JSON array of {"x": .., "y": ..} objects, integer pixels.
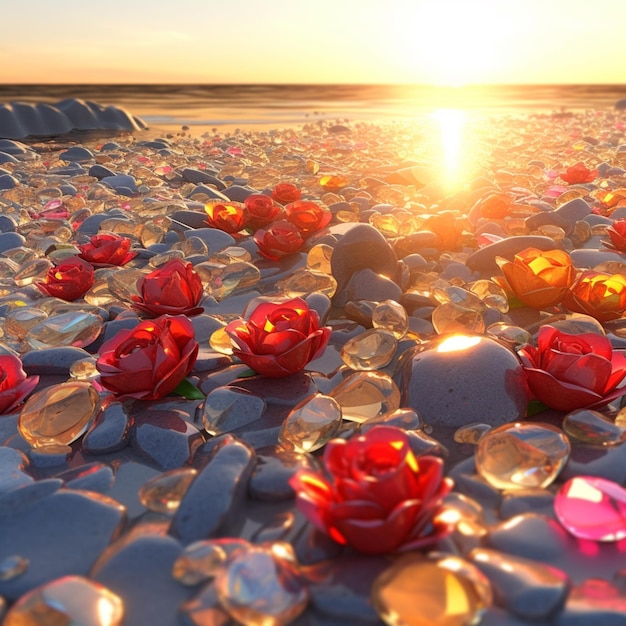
[{"x": 441, "y": 42}]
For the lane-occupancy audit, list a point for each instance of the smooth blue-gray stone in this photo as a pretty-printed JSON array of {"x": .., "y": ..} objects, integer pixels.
[
  {"x": 12, "y": 464},
  {"x": 191, "y": 219},
  {"x": 484, "y": 259},
  {"x": 198, "y": 177},
  {"x": 367, "y": 284},
  {"x": 518, "y": 502},
  {"x": 9, "y": 146},
  {"x": 140, "y": 572},
  {"x": 10, "y": 240},
  {"x": 77, "y": 154},
  {"x": 129, "y": 478},
  {"x": 50, "y": 361},
  {"x": 214, "y": 194},
  {"x": 582, "y": 611},
  {"x": 238, "y": 193},
  {"x": 8, "y": 182},
  {"x": 573, "y": 210},
  {"x": 165, "y": 439},
  {"x": 41, "y": 459},
  {"x": 62, "y": 533},
  {"x": 92, "y": 224},
  {"x": 214, "y": 503},
  {"x": 270, "y": 480},
  {"x": 606, "y": 462},
  {"x": 530, "y": 590},
  {"x": 7, "y": 158},
  {"x": 109, "y": 431},
  {"x": 100, "y": 171},
  {"x": 96, "y": 477},
  {"x": 214, "y": 238},
  {"x": 229, "y": 408},
  {"x": 120, "y": 181},
  {"x": 589, "y": 258}
]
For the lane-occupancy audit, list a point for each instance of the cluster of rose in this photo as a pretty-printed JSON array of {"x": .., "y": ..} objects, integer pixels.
[{"x": 372, "y": 493}]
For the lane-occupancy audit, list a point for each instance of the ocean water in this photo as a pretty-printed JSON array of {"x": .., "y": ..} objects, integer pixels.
[{"x": 275, "y": 106}]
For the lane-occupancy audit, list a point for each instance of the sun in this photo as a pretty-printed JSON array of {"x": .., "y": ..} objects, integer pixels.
[{"x": 456, "y": 42}]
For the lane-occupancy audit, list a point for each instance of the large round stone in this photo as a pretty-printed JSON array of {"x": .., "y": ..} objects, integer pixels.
[{"x": 462, "y": 379}]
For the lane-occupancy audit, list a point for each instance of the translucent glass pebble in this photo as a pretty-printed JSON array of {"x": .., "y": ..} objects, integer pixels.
[
  {"x": 13, "y": 566},
  {"x": 491, "y": 294},
  {"x": 203, "y": 559},
  {"x": 471, "y": 433},
  {"x": 365, "y": 395},
  {"x": 18, "y": 322},
  {"x": 522, "y": 455},
  {"x": 164, "y": 492},
  {"x": 318, "y": 258},
  {"x": 592, "y": 508},
  {"x": 224, "y": 280},
  {"x": 58, "y": 414},
  {"x": 593, "y": 428},
  {"x": 221, "y": 342},
  {"x": 67, "y": 600},
  {"x": 391, "y": 316},
  {"x": 416, "y": 591},
  {"x": 261, "y": 588},
  {"x": 370, "y": 350},
  {"x": 76, "y": 329},
  {"x": 311, "y": 424},
  {"x": 306, "y": 281},
  {"x": 453, "y": 318},
  {"x": 512, "y": 336}
]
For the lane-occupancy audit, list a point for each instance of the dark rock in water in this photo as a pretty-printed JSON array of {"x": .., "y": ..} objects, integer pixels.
[
  {"x": 209, "y": 192},
  {"x": 120, "y": 181},
  {"x": 362, "y": 247},
  {"x": 164, "y": 438},
  {"x": 100, "y": 172},
  {"x": 110, "y": 430},
  {"x": 528, "y": 589},
  {"x": 484, "y": 259},
  {"x": 213, "y": 504},
  {"x": 14, "y": 148},
  {"x": 214, "y": 238},
  {"x": 140, "y": 572},
  {"x": 77, "y": 154},
  {"x": 20, "y": 119},
  {"x": 60, "y": 533}
]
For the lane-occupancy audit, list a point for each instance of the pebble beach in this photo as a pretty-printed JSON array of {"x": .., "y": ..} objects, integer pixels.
[{"x": 183, "y": 509}]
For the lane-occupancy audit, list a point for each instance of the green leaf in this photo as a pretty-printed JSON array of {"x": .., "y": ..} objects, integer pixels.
[
  {"x": 534, "y": 407},
  {"x": 247, "y": 373},
  {"x": 515, "y": 302},
  {"x": 188, "y": 390}
]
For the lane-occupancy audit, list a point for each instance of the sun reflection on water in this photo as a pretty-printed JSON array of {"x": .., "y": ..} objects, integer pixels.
[{"x": 452, "y": 124}]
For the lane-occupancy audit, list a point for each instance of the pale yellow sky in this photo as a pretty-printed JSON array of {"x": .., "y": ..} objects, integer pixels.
[{"x": 445, "y": 42}]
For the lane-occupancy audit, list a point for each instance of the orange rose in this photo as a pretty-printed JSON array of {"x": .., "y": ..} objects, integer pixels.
[
  {"x": 539, "y": 278},
  {"x": 600, "y": 295},
  {"x": 231, "y": 217}
]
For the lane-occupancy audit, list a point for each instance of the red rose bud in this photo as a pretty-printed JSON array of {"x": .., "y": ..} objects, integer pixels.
[
  {"x": 231, "y": 217},
  {"x": 307, "y": 216},
  {"x": 568, "y": 372},
  {"x": 281, "y": 239},
  {"x": 261, "y": 210},
  {"x": 617, "y": 235},
  {"x": 69, "y": 280},
  {"x": 374, "y": 494},
  {"x": 285, "y": 193},
  {"x": 172, "y": 289},
  {"x": 579, "y": 173},
  {"x": 106, "y": 249},
  {"x": 14, "y": 384},
  {"x": 278, "y": 339},
  {"x": 149, "y": 361}
]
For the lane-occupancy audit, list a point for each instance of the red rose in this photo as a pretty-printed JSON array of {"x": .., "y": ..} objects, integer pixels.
[
  {"x": 106, "y": 249},
  {"x": 261, "y": 210},
  {"x": 285, "y": 193},
  {"x": 278, "y": 339},
  {"x": 172, "y": 289},
  {"x": 495, "y": 206},
  {"x": 231, "y": 217},
  {"x": 578, "y": 173},
  {"x": 568, "y": 372},
  {"x": 617, "y": 235},
  {"x": 69, "y": 280},
  {"x": 14, "y": 384},
  {"x": 375, "y": 495},
  {"x": 307, "y": 216},
  {"x": 280, "y": 239},
  {"x": 598, "y": 294},
  {"x": 149, "y": 361}
]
